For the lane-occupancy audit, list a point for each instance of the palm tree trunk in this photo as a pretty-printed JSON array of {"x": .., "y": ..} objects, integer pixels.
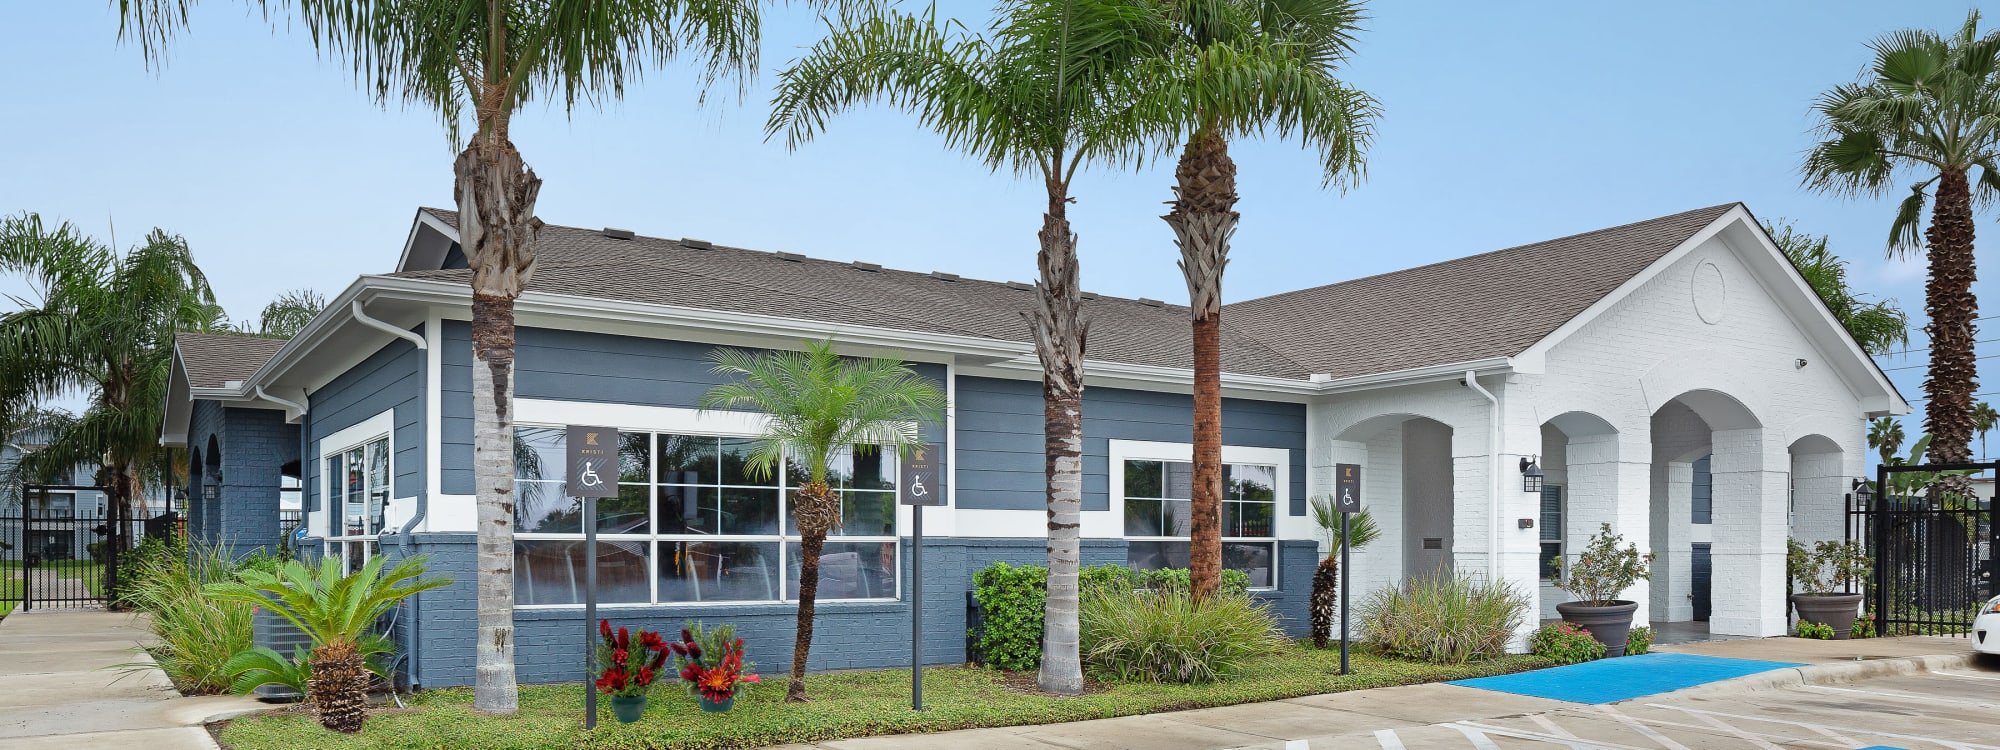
[
  {"x": 497, "y": 230},
  {"x": 1952, "y": 307},
  {"x": 818, "y": 512},
  {"x": 1059, "y": 343},
  {"x": 339, "y": 687},
  {"x": 1203, "y": 218},
  {"x": 1324, "y": 603}
]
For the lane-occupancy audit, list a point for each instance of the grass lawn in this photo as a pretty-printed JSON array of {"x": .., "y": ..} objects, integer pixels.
[
  {"x": 847, "y": 704},
  {"x": 10, "y": 591}
]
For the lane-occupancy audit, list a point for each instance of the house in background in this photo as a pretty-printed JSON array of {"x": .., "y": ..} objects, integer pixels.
[
  {"x": 60, "y": 519},
  {"x": 1674, "y": 378}
]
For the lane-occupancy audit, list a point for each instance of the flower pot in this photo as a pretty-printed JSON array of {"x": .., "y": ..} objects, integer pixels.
[
  {"x": 628, "y": 708},
  {"x": 716, "y": 707},
  {"x": 1609, "y": 624},
  {"x": 1836, "y": 611}
]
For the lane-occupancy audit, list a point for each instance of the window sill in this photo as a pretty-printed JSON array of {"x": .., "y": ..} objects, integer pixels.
[{"x": 686, "y": 609}]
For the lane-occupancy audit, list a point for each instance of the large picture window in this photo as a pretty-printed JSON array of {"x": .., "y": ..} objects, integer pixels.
[
  {"x": 1156, "y": 517},
  {"x": 692, "y": 523},
  {"x": 357, "y": 494}
]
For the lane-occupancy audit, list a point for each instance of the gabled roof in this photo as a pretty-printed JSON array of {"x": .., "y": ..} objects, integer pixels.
[
  {"x": 1480, "y": 307},
  {"x": 213, "y": 360}
]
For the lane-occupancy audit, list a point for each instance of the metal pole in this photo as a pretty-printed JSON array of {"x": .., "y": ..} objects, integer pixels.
[
  {"x": 917, "y": 608},
  {"x": 1881, "y": 505},
  {"x": 1346, "y": 574},
  {"x": 589, "y": 613}
]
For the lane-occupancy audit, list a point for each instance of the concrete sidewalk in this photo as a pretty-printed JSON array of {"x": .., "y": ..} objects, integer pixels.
[{"x": 55, "y": 690}]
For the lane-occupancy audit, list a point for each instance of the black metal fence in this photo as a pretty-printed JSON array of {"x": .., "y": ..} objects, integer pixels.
[
  {"x": 59, "y": 549},
  {"x": 1932, "y": 541}
]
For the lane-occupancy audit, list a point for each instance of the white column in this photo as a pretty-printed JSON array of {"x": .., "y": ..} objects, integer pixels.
[
  {"x": 1750, "y": 527},
  {"x": 1819, "y": 497},
  {"x": 1610, "y": 482},
  {"x": 1672, "y": 586}
]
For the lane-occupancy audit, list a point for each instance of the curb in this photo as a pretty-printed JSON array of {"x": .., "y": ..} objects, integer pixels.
[{"x": 1822, "y": 674}]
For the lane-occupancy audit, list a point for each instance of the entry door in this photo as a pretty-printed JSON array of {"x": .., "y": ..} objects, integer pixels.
[
  {"x": 1702, "y": 568},
  {"x": 1427, "y": 497}
]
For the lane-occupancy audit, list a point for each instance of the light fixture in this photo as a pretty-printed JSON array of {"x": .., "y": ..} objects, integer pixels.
[
  {"x": 1864, "y": 493},
  {"x": 211, "y": 489},
  {"x": 1799, "y": 363},
  {"x": 1531, "y": 475}
]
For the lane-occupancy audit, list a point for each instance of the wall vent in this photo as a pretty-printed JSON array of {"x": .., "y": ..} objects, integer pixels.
[
  {"x": 697, "y": 244},
  {"x": 867, "y": 266},
  {"x": 793, "y": 257},
  {"x": 619, "y": 234},
  {"x": 942, "y": 276}
]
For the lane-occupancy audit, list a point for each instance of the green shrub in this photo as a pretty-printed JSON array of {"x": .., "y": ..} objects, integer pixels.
[
  {"x": 198, "y": 634},
  {"x": 151, "y": 558},
  {"x": 1163, "y": 636},
  {"x": 1233, "y": 581},
  {"x": 1864, "y": 626},
  {"x": 262, "y": 666},
  {"x": 1443, "y": 618},
  {"x": 1566, "y": 643},
  {"x": 1809, "y": 629},
  {"x": 1639, "y": 640},
  {"x": 1014, "y": 601}
]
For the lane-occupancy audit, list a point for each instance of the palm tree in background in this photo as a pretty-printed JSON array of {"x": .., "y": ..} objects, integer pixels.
[
  {"x": 1885, "y": 435},
  {"x": 1926, "y": 108},
  {"x": 1879, "y": 326},
  {"x": 1044, "y": 93},
  {"x": 1236, "y": 69},
  {"x": 100, "y": 324},
  {"x": 285, "y": 315},
  {"x": 1984, "y": 418},
  {"x": 477, "y": 63},
  {"x": 816, "y": 404}
]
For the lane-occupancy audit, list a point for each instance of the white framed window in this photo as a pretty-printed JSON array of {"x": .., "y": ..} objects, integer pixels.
[
  {"x": 692, "y": 524},
  {"x": 1552, "y": 509},
  {"x": 1155, "y": 493},
  {"x": 356, "y": 472}
]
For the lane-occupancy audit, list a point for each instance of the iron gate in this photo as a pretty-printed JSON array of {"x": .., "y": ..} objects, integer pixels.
[
  {"x": 59, "y": 548},
  {"x": 1933, "y": 548}
]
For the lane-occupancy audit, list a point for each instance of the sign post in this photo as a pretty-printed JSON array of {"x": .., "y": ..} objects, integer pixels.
[
  {"x": 919, "y": 487},
  {"x": 592, "y": 459},
  {"x": 1347, "y": 500}
]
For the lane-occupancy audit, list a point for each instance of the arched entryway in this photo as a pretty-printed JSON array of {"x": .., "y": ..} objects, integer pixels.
[
  {"x": 1409, "y": 468},
  {"x": 1590, "y": 479},
  {"x": 1718, "y": 508}
]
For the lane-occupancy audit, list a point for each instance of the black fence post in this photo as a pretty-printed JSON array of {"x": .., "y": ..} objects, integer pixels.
[{"x": 1881, "y": 533}]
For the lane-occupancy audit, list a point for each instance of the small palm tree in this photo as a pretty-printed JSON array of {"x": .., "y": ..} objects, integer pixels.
[
  {"x": 285, "y": 315},
  {"x": 1235, "y": 69},
  {"x": 1877, "y": 326},
  {"x": 1361, "y": 530},
  {"x": 1047, "y": 92},
  {"x": 1924, "y": 112},
  {"x": 816, "y": 404},
  {"x": 1885, "y": 435},
  {"x": 1984, "y": 418},
  {"x": 336, "y": 611}
]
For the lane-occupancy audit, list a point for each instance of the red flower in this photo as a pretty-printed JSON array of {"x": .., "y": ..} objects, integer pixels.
[
  {"x": 645, "y": 676},
  {"x": 687, "y": 636},
  {"x": 618, "y": 656},
  {"x": 604, "y": 626},
  {"x": 679, "y": 650},
  {"x": 752, "y": 678}
]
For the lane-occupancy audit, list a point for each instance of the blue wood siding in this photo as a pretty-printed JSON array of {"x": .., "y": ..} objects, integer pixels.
[
  {"x": 391, "y": 378},
  {"x": 1000, "y": 438}
]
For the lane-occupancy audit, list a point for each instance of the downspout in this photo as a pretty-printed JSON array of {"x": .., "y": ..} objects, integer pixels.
[
  {"x": 362, "y": 318},
  {"x": 1492, "y": 475},
  {"x": 293, "y": 405},
  {"x": 423, "y": 498}
]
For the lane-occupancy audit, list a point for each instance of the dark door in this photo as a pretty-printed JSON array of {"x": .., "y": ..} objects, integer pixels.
[{"x": 1702, "y": 568}]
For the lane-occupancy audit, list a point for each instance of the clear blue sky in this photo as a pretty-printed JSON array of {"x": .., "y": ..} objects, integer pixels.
[{"x": 1505, "y": 123}]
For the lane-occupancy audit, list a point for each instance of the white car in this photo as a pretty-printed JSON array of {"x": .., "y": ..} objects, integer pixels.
[{"x": 1986, "y": 629}]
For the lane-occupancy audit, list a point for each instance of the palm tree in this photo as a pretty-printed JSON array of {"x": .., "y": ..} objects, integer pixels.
[
  {"x": 1926, "y": 107},
  {"x": 1984, "y": 418},
  {"x": 1240, "y": 68},
  {"x": 1044, "y": 93},
  {"x": 337, "y": 612},
  {"x": 100, "y": 324},
  {"x": 1878, "y": 327},
  {"x": 816, "y": 404},
  {"x": 451, "y": 56},
  {"x": 1885, "y": 435},
  {"x": 1361, "y": 530},
  {"x": 285, "y": 315}
]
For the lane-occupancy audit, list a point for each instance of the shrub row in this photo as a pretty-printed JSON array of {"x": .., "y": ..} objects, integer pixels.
[{"x": 1013, "y": 601}]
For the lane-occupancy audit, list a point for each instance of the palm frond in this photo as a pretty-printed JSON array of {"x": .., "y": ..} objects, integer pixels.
[{"x": 816, "y": 403}]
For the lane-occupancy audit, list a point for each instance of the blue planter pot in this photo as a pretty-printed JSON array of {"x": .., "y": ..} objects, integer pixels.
[
  {"x": 716, "y": 707},
  {"x": 628, "y": 708}
]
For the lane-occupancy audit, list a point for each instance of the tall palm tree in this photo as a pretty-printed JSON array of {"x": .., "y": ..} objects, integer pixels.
[
  {"x": 1984, "y": 418},
  {"x": 1879, "y": 326},
  {"x": 285, "y": 315},
  {"x": 337, "y": 611},
  {"x": 1044, "y": 93},
  {"x": 816, "y": 404},
  {"x": 100, "y": 324},
  {"x": 1928, "y": 108},
  {"x": 1242, "y": 68},
  {"x": 1358, "y": 532},
  {"x": 1885, "y": 435},
  {"x": 477, "y": 63}
]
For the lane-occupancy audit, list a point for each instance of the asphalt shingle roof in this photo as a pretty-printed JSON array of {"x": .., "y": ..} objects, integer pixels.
[
  {"x": 214, "y": 359},
  {"x": 1489, "y": 305}
]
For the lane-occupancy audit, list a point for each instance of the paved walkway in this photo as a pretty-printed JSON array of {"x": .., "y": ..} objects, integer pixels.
[
  {"x": 1463, "y": 718},
  {"x": 55, "y": 690}
]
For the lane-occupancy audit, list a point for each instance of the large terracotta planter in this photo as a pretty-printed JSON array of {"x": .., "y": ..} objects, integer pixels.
[
  {"x": 1836, "y": 611},
  {"x": 1609, "y": 624}
]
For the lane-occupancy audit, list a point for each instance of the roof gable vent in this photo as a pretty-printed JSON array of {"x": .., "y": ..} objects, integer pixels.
[
  {"x": 696, "y": 244},
  {"x": 1150, "y": 302},
  {"x": 942, "y": 276},
  {"x": 793, "y": 257},
  {"x": 867, "y": 266},
  {"x": 619, "y": 234},
  {"x": 1021, "y": 285}
]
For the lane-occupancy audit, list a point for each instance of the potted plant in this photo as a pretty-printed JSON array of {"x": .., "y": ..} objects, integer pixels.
[
  {"x": 1596, "y": 578},
  {"x": 629, "y": 668},
  {"x": 1825, "y": 575},
  {"x": 712, "y": 666}
]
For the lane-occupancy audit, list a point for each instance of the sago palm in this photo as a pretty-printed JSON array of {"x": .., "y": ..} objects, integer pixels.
[
  {"x": 1242, "y": 68},
  {"x": 336, "y": 611},
  {"x": 1044, "y": 93},
  {"x": 476, "y": 63},
  {"x": 99, "y": 324},
  {"x": 815, "y": 404},
  {"x": 1877, "y": 326},
  {"x": 1926, "y": 110},
  {"x": 1885, "y": 435},
  {"x": 1325, "y": 600}
]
